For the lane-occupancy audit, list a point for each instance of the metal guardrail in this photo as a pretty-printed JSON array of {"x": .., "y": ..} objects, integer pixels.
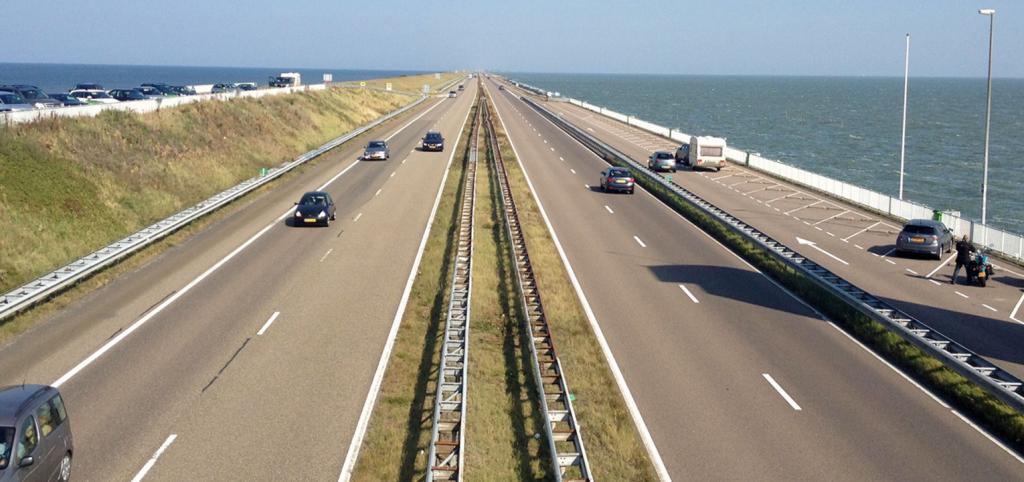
[
  {"x": 447, "y": 433},
  {"x": 982, "y": 372},
  {"x": 569, "y": 458},
  {"x": 66, "y": 276}
]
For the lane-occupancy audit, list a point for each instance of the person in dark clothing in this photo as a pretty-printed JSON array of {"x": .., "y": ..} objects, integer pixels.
[{"x": 964, "y": 248}]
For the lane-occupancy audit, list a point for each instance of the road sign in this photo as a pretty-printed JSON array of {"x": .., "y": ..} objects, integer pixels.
[
  {"x": 426, "y": 88},
  {"x": 387, "y": 86},
  {"x": 328, "y": 78}
]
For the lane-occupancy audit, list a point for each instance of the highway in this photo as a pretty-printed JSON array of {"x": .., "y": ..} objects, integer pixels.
[
  {"x": 247, "y": 351},
  {"x": 734, "y": 378},
  {"x": 851, "y": 242}
]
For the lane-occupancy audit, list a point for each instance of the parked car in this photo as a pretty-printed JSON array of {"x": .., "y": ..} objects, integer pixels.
[
  {"x": 315, "y": 207},
  {"x": 924, "y": 236},
  {"x": 32, "y": 95},
  {"x": 286, "y": 79},
  {"x": 150, "y": 92},
  {"x": 183, "y": 90},
  {"x": 705, "y": 151},
  {"x": 246, "y": 86},
  {"x": 12, "y": 102},
  {"x": 128, "y": 94},
  {"x": 66, "y": 100},
  {"x": 377, "y": 150},
  {"x": 164, "y": 89},
  {"x": 88, "y": 87},
  {"x": 35, "y": 434},
  {"x": 661, "y": 161},
  {"x": 93, "y": 96},
  {"x": 222, "y": 88},
  {"x": 617, "y": 179},
  {"x": 433, "y": 141}
]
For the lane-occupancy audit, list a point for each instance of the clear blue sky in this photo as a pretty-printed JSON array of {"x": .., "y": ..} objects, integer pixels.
[{"x": 777, "y": 37}]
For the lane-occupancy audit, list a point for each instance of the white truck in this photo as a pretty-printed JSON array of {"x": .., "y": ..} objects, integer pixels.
[
  {"x": 703, "y": 151},
  {"x": 286, "y": 79}
]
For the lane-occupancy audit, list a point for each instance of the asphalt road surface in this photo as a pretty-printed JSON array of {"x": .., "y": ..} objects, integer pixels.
[
  {"x": 735, "y": 378},
  {"x": 251, "y": 345}
]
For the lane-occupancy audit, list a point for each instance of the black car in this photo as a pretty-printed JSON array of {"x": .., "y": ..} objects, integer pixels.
[
  {"x": 433, "y": 141},
  {"x": 316, "y": 208},
  {"x": 617, "y": 179},
  {"x": 128, "y": 94},
  {"x": 183, "y": 90},
  {"x": 35, "y": 434},
  {"x": 222, "y": 88},
  {"x": 66, "y": 99},
  {"x": 32, "y": 95},
  {"x": 163, "y": 88}
]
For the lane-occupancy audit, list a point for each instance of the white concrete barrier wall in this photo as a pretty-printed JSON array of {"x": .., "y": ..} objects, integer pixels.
[
  {"x": 1005, "y": 243},
  {"x": 142, "y": 106}
]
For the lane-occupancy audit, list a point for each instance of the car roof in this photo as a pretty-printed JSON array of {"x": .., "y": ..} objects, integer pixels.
[
  {"x": 315, "y": 193},
  {"x": 433, "y": 133},
  {"x": 656, "y": 153},
  {"x": 924, "y": 222},
  {"x": 16, "y": 398}
]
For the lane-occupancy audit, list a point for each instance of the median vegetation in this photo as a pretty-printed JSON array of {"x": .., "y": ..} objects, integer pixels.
[{"x": 69, "y": 186}]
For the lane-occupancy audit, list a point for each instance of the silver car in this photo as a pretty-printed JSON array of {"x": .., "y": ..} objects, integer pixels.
[
  {"x": 661, "y": 161},
  {"x": 377, "y": 150},
  {"x": 924, "y": 236},
  {"x": 12, "y": 102}
]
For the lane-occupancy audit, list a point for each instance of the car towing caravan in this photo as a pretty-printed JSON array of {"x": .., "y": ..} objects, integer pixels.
[
  {"x": 703, "y": 151},
  {"x": 286, "y": 79}
]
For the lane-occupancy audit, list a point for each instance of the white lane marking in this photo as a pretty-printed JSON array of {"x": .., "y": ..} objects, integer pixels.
[
  {"x": 545, "y": 141},
  {"x": 152, "y": 460},
  {"x": 911, "y": 271},
  {"x": 392, "y": 174},
  {"x": 858, "y": 246},
  {"x": 961, "y": 294},
  {"x": 831, "y": 217},
  {"x": 936, "y": 283},
  {"x": 815, "y": 246},
  {"x": 378, "y": 376},
  {"x": 861, "y": 231},
  {"x": 586, "y": 186},
  {"x": 638, "y": 241},
  {"x": 887, "y": 260},
  {"x": 560, "y": 158},
  {"x": 322, "y": 258},
  {"x": 377, "y": 193},
  {"x": 819, "y": 229},
  {"x": 803, "y": 207},
  {"x": 270, "y": 320},
  {"x": 356, "y": 219},
  {"x": 937, "y": 268},
  {"x": 991, "y": 438},
  {"x": 620, "y": 380},
  {"x": 573, "y": 171},
  {"x": 688, "y": 293},
  {"x": 989, "y": 307},
  {"x": 805, "y": 222},
  {"x": 403, "y": 161},
  {"x": 778, "y": 388},
  {"x": 887, "y": 253},
  {"x": 609, "y": 209},
  {"x": 552, "y": 149},
  {"x": 1013, "y": 315},
  {"x": 830, "y": 234}
]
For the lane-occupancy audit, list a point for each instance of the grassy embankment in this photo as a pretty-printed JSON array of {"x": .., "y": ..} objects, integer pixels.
[
  {"x": 70, "y": 186},
  {"x": 996, "y": 416},
  {"x": 409, "y": 84}
]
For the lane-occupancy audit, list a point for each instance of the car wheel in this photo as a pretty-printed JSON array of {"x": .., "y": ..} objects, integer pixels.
[
  {"x": 65, "y": 468},
  {"x": 631, "y": 191}
]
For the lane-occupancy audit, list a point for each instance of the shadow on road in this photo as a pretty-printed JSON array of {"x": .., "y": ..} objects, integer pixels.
[{"x": 731, "y": 283}]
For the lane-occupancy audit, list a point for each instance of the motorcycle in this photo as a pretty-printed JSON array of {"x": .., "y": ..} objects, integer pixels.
[{"x": 979, "y": 270}]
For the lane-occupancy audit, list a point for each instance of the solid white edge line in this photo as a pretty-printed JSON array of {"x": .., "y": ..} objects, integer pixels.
[
  {"x": 991, "y": 438},
  {"x": 159, "y": 308},
  {"x": 639, "y": 241},
  {"x": 378, "y": 377},
  {"x": 620, "y": 381},
  {"x": 688, "y": 293},
  {"x": 268, "y": 323},
  {"x": 778, "y": 388},
  {"x": 152, "y": 460},
  {"x": 1017, "y": 307}
]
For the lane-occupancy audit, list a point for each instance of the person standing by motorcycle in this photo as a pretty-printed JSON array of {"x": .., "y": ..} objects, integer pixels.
[{"x": 964, "y": 248}]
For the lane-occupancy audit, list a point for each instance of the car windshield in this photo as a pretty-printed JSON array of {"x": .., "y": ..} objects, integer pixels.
[
  {"x": 6, "y": 440},
  {"x": 9, "y": 98},
  {"x": 914, "y": 229},
  {"x": 663, "y": 155},
  {"x": 433, "y": 136},
  {"x": 90, "y": 86},
  {"x": 618, "y": 173},
  {"x": 376, "y": 144},
  {"x": 313, "y": 200},
  {"x": 33, "y": 94},
  {"x": 99, "y": 95}
]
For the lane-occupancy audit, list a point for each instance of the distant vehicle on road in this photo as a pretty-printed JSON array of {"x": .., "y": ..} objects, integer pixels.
[
  {"x": 315, "y": 207},
  {"x": 286, "y": 79},
  {"x": 433, "y": 141},
  {"x": 183, "y": 90},
  {"x": 128, "y": 94},
  {"x": 222, "y": 88},
  {"x": 150, "y": 92},
  {"x": 462, "y": 87},
  {"x": 924, "y": 236},
  {"x": 66, "y": 100},
  {"x": 501, "y": 87},
  {"x": 617, "y": 179},
  {"x": 93, "y": 96},
  {"x": 661, "y": 161},
  {"x": 12, "y": 102},
  {"x": 88, "y": 87},
  {"x": 246, "y": 86},
  {"x": 452, "y": 93},
  {"x": 32, "y": 95},
  {"x": 35, "y": 434},
  {"x": 164, "y": 89},
  {"x": 377, "y": 150},
  {"x": 703, "y": 152}
]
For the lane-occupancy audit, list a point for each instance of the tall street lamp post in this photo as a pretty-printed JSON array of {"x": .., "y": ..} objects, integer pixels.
[{"x": 991, "y": 14}]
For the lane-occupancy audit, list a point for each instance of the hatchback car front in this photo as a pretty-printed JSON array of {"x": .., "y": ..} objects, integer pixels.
[
  {"x": 314, "y": 208},
  {"x": 377, "y": 150},
  {"x": 433, "y": 141}
]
